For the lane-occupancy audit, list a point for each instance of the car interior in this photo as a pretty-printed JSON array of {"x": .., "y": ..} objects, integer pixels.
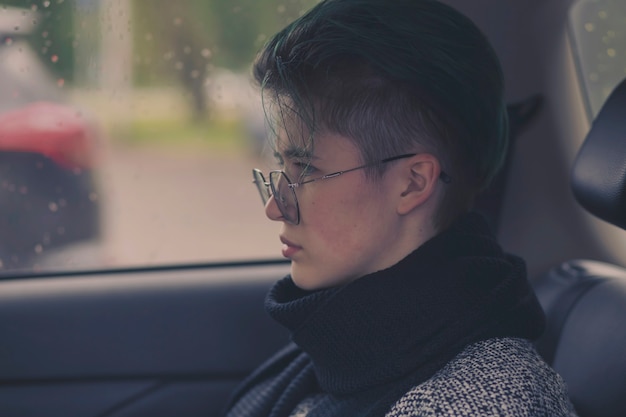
[{"x": 174, "y": 339}]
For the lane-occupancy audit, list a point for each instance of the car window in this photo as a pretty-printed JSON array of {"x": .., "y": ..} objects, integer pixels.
[
  {"x": 598, "y": 33},
  {"x": 128, "y": 132}
]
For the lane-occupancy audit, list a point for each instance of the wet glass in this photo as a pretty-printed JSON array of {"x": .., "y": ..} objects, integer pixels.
[{"x": 128, "y": 129}]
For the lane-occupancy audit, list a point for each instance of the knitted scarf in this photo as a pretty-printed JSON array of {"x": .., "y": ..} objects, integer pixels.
[{"x": 365, "y": 344}]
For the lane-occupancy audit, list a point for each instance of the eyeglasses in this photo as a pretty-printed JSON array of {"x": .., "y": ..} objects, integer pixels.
[{"x": 284, "y": 192}]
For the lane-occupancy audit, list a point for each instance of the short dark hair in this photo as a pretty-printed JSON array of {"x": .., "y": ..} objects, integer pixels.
[{"x": 394, "y": 76}]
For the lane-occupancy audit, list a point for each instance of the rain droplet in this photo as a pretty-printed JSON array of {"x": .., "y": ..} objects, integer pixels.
[
  {"x": 589, "y": 27},
  {"x": 38, "y": 248},
  {"x": 8, "y": 41},
  {"x": 178, "y": 21},
  {"x": 195, "y": 74},
  {"x": 611, "y": 52},
  {"x": 46, "y": 3},
  {"x": 187, "y": 49},
  {"x": 179, "y": 65},
  {"x": 52, "y": 206},
  {"x": 206, "y": 53},
  {"x": 23, "y": 189},
  {"x": 54, "y": 58},
  {"x": 44, "y": 34},
  {"x": 60, "y": 82},
  {"x": 62, "y": 202}
]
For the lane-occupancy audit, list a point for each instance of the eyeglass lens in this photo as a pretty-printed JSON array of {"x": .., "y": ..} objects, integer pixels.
[
  {"x": 261, "y": 185},
  {"x": 285, "y": 197}
]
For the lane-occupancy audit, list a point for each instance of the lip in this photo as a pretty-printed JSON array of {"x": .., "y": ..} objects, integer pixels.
[{"x": 289, "y": 248}]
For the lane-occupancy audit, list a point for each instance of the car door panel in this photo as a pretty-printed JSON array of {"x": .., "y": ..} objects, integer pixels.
[{"x": 129, "y": 342}]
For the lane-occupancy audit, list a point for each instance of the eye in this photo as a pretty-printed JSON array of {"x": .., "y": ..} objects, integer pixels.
[{"x": 303, "y": 169}]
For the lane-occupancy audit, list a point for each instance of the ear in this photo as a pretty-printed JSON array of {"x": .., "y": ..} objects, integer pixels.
[{"x": 419, "y": 182}]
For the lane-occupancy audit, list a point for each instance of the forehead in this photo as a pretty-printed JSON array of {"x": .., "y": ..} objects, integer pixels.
[
  {"x": 296, "y": 139},
  {"x": 293, "y": 138}
]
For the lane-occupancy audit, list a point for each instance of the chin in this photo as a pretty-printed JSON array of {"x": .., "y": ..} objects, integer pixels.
[{"x": 311, "y": 279}]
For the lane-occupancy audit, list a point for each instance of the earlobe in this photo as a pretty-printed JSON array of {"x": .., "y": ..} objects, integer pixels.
[{"x": 419, "y": 182}]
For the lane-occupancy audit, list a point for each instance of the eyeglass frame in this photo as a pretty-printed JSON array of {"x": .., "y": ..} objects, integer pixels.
[{"x": 268, "y": 189}]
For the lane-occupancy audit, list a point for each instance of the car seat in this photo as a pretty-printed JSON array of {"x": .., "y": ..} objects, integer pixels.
[{"x": 585, "y": 301}]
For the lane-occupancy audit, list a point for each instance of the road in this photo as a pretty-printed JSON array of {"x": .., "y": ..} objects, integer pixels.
[{"x": 162, "y": 206}]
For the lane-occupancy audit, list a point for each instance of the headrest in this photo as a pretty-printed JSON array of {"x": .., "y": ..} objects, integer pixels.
[{"x": 599, "y": 171}]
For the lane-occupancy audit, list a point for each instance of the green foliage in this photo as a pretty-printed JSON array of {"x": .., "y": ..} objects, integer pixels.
[
  {"x": 220, "y": 133},
  {"x": 216, "y": 33},
  {"x": 53, "y": 38}
]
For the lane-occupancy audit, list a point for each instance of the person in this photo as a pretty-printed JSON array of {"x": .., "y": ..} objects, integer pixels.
[{"x": 389, "y": 118}]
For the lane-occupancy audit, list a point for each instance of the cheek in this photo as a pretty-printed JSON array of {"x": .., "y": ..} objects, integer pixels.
[{"x": 343, "y": 225}]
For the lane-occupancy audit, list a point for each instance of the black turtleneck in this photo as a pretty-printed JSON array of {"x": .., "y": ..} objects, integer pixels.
[{"x": 366, "y": 343}]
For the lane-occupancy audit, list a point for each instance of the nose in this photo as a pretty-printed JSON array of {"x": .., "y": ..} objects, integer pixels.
[{"x": 272, "y": 211}]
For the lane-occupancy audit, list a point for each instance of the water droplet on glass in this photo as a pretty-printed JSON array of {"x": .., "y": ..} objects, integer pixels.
[
  {"x": 44, "y": 34},
  {"x": 206, "y": 53},
  {"x": 179, "y": 65},
  {"x": 53, "y": 207},
  {"x": 589, "y": 27},
  {"x": 60, "y": 82},
  {"x": 178, "y": 21},
  {"x": 54, "y": 58},
  {"x": 8, "y": 41},
  {"x": 23, "y": 189},
  {"x": 611, "y": 52},
  {"x": 281, "y": 9},
  {"x": 38, "y": 248},
  {"x": 46, "y": 3}
]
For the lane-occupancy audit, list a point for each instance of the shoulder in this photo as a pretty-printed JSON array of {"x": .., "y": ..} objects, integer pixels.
[{"x": 495, "y": 377}]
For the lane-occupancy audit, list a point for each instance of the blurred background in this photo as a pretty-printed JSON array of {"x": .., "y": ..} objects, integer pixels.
[
  {"x": 128, "y": 131},
  {"x": 129, "y": 128}
]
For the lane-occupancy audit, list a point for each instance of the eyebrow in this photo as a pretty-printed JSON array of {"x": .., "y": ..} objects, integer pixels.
[{"x": 295, "y": 152}]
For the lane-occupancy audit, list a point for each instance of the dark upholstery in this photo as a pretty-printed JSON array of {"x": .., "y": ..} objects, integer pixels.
[
  {"x": 585, "y": 301},
  {"x": 599, "y": 172},
  {"x": 585, "y": 340}
]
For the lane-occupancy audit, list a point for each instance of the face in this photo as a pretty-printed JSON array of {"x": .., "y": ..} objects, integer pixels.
[{"x": 348, "y": 224}]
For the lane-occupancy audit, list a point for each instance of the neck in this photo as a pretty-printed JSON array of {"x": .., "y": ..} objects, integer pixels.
[{"x": 413, "y": 317}]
